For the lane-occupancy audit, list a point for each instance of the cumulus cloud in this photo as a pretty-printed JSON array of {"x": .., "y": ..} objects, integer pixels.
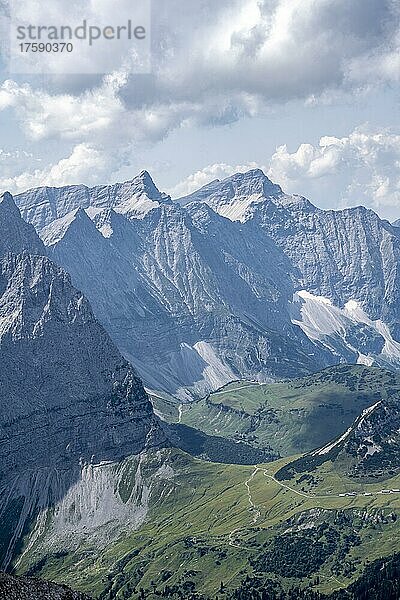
[
  {"x": 85, "y": 163},
  {"x": 221, "y": 60},
  {"x": 92, "y": 52},
  {"x": 214, "y": 63},
  {"x": 362, "y": 168},
  {"x": 257, "y": 52},
  {"x": 65, "y": 116}
]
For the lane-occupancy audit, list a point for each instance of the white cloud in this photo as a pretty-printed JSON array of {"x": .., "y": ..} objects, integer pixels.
[
  {"x": 65, "y": 116},
  {"x": 259, "y": 52},
  {"x": 85, "y": 163},
  {"x": 362, "y": 168},
  {"x": 226, "y": 60},
  {"x": 215, "y": 63},
  {"x": 100, "y": 55}
]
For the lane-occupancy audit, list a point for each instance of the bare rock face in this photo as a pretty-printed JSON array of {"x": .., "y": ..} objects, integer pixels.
[
  {"x": 16, "y": 234},
  {"x": 237, "y": 280},
  {"x": 68, "y": 398},
  {"x": 347, "y": 262},
  {"x": 188, "y": 297},
  {"x": 343, "y": 255},
  {"x": 235, "y": 196},
  {"x": 66, "y": 392}
]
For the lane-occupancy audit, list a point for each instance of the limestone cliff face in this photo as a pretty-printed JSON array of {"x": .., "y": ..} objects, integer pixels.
[
  {"x": 344, "y": 255},
  {"x": 41, "y": 206},
  {"x": 68, "y": 399},
  {"x": 66, "y": 393},
  {"x": 189, "y": 297},
  {"x": 237, "y": 280},
  {"x": 347, "y": 262},
  {"x": 16, "y": 234}
]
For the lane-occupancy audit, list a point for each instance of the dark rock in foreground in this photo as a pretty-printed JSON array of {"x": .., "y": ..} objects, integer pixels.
[{"x": 27, "y": 588}]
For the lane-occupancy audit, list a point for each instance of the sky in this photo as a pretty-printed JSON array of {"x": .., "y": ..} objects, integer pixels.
[{"x": 307, "y": 90}]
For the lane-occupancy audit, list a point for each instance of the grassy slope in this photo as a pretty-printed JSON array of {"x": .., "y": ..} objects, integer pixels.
[
  {"x": 211, "y": 520},
  {"x": 291, "y": 417}
]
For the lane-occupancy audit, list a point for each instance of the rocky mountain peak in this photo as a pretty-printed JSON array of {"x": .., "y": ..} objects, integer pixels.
[
  {"x": 74, "y": 223},
  {"x": 7, "y": 203},
  {"x": 134, "y": 198},
  {"x": 235, "y": 196},
  {"x": 16, "y": 235},
  {"x": 148, "y": 184}
]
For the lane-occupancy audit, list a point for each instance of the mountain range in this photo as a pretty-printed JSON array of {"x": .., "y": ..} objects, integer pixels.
[
  {"x": 237, "y": 280},
  {"x": 70, "y": 404},
  {"x": 100, "y": 287}
]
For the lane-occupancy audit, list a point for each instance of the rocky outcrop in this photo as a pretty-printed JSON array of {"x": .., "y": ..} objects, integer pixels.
[
  {"x": 68, "y": 398},
  {"x": 66, "y": 392},
  {"x": 343, "y": 255},
  {"x": 29, "y": 588},
  {"x": 236, "y": 196}
]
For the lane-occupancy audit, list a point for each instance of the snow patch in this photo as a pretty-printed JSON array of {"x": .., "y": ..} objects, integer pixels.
[
  {"x": 93, "y": 211},
  {"x": 320, "y": 319},
  {"x": 362, "y": 359},
  {"x": 136, "y": 206},
  {"x": 237, "y": 207},
  {"x": 329, "y": 447},
  {"x": 203, "y": 368},
  {"x": 372, "y": 447},
  {"x": 106, "y": 230},
  {"x": 308, "y": 296}
]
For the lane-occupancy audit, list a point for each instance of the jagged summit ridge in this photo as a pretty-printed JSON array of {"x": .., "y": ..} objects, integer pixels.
[
  {"x": 134, "y": 198},
  {"x": 343, "y": 255},
  {"x": 234, "y": 196}
]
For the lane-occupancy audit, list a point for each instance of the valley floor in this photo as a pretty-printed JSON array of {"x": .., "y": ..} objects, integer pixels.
[{"x": 210, "y": 523}]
